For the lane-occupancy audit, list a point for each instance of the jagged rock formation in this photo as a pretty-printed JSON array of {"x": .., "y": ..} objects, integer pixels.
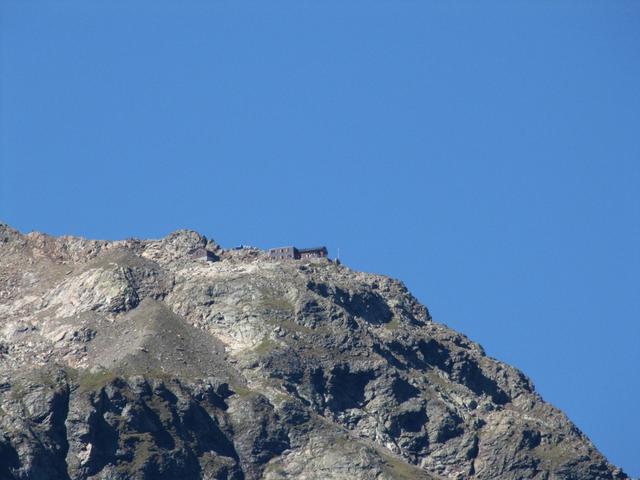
[{"x": 132, "y": 360}]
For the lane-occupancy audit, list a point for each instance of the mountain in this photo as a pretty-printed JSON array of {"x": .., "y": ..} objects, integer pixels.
[{"x": 137, "y": 359}]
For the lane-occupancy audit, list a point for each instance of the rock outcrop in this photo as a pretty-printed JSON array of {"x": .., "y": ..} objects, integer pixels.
[{"x": 133, "y": 360}]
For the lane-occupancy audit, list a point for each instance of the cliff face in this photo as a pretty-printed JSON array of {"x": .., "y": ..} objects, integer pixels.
[{"x": 132, "y": 360}]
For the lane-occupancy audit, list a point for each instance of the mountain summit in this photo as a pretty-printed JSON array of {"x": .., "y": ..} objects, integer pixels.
[{"x": 177, "y": 359}]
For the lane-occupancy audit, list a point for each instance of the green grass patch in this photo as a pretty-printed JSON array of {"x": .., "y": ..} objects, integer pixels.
[
  {"x": 554, "y": 455},
  {"x": 290, "y": 325},
  {"x": 275, "y": 469},
  {"x": 34, "y": 380},
  {"x": 241, "y": 390},
  {"x": 272, "y": 301},
  {"x": 400, "y": 470},
  {"x": 265, "y": 347},
  {"x": 91, "y": 381},
  {"x": 17, "y": 391},
  {"x": 394, "y": 324}
]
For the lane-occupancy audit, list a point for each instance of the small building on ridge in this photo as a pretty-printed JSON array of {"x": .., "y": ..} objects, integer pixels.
[
  {"x": 298, "y": 253},
  {"x": 202, "y": 253}
]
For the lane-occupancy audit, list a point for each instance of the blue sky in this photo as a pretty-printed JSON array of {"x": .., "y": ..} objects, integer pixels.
[{"x": 486, "y": 153}]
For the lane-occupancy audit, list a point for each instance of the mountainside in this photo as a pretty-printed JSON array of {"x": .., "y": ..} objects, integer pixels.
[{"x": 133, "y": 360}]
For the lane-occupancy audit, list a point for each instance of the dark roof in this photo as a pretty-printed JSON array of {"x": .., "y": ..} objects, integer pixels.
[{"x": 315, "y": 249}]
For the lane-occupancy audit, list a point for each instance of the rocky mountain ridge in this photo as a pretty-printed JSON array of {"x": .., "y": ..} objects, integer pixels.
[{"x": 133, "y": 360}]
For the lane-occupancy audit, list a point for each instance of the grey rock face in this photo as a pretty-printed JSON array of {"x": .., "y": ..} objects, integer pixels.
[{"x": 134, "y": 360}]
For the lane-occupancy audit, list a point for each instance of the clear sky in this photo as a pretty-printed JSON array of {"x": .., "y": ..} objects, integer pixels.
[{"x": 485, "y": 152}]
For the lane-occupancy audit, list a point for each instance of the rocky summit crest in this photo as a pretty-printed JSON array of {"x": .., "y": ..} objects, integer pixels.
[{"x": 137, "y": 359}]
